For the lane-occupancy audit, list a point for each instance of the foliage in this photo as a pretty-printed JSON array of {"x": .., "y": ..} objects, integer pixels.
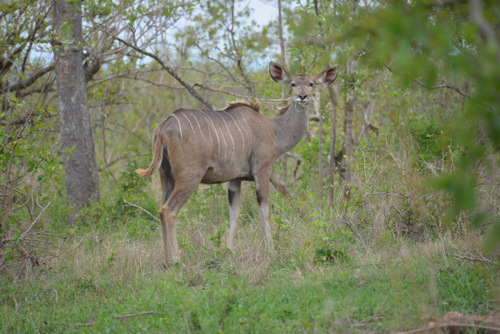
[
  {"x": 27, "y": 166},
  {"x": 436, "y": 43},
  {"x": 331, "y": 242},
  {"x": 434, "y": 152}
]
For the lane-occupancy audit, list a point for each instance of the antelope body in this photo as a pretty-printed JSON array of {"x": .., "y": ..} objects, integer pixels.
[{"x": 231, "y": 145}]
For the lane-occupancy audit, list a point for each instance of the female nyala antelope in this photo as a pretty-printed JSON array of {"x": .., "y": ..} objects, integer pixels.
[{"x": 231, "y": 145}]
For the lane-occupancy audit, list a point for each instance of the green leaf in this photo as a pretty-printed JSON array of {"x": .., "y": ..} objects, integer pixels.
[
  {"x": 460, "y": 187},
  {"x": 493, "y": 238}
]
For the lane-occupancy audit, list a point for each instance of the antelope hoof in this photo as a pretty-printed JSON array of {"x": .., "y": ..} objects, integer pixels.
[{"x": 167, "y": 266}]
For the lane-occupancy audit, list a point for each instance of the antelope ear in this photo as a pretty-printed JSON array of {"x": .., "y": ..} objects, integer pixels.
[
  {"x": 327, "y": 77},
  {"x": 278, "y": 73}
]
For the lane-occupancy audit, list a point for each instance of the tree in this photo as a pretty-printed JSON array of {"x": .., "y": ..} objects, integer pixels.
[
  {"x": 26, "y": 160},
  {"x": 446, "y": 45},
  {"x": 81, "y": 174},
  {"x": 315, "y": 27}
]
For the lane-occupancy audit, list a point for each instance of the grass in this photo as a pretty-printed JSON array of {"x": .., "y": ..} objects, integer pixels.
[{"x": 105, "y": 281}]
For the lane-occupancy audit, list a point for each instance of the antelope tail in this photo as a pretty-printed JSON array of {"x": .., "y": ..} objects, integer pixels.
[{"x": 158, "y": 143}]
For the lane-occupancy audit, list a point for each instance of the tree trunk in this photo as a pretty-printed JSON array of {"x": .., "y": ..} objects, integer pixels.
[
  {"x": 77, "y": 145},
  {"x": 332, "y": 161},
  {"x": 349, "y": 116},
  {"x": 283, "y": 85},
  {"x": 316, "y": 98}
]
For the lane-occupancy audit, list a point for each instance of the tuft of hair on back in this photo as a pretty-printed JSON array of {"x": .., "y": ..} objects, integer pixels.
[{"x": 255, "y": 105}]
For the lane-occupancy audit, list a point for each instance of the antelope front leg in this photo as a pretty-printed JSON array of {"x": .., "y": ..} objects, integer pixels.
[
  {"x": 262, "y": 191},
  {"x": 233, "y": 194}
]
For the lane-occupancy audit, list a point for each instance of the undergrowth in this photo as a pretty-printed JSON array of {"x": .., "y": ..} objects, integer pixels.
[{"x": 104, "y": 281}]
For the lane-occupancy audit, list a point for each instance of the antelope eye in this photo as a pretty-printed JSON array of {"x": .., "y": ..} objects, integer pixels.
[
  {"x": 292, "y": 84},
  {"x": 311, "y": 84}
]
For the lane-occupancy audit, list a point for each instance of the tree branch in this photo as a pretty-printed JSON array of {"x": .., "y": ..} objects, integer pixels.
[
  {"x": 458, "y": 90},
  {"x": 420, "y": 83},
  {"x": 450, "y": 326},
  {"x": 92, "y": 70},
  {"x": 169, "y": 69},
  {"x": 484, "y": 27},
  {"x": 135, "y": 314},
  {"x": 141, "y": 208},
  {"x": 236, "y": 94},
  {"x": 280, "y": 186},
  {"x": 29, "y": 81}
]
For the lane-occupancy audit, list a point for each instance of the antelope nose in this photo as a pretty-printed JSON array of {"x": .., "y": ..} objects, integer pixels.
[{"x": 303, "y": 97}]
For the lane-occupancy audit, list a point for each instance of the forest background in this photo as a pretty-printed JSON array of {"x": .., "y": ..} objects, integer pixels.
[{"x": 384, "y": 216}]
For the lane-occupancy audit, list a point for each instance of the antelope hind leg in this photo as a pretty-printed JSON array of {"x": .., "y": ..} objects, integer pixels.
[
  {"x": 170, "y": 246},
  {"x": 262, "y": 191},
  {"x": 168, "y": 214}
]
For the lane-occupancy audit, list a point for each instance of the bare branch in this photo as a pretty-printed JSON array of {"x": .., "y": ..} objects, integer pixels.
[
  {"x": 472, "y": 257},
  {"x": 485, "y": 28},
  {"x": 130, "y": 75},
  {"x": 135, "y": 314},
  {"x": 420, "y": 83},
  {"x": 280, "y": 186},
  {"x": 283, "y": 189},
  {"x": 89, "y": 324},
  {"x": 111, "y": 163},
  {"x": 169, "y": 69},
  {"x": 449, "y": 326},
  {"x": 458, "y": 90},
  {"x": 29, "y": 81},
  {"x": 43, "y": 89},
  {"x": 236, "y": 94},
  {"x": 129, "y": 132},
  {"x": 34, "y": 222},
  {"x": 92, "y": 70},
  {"x": 141, "y": 208},
  {"x": 153, "y": 83}
]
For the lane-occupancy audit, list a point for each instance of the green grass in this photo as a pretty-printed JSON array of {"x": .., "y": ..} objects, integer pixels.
[{"x": 100, "y": 278}]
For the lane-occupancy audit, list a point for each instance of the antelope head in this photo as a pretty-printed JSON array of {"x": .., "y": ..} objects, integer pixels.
[{"x": 302, "y": 85}]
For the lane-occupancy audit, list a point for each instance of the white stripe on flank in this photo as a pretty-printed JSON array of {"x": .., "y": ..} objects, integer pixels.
[
  {"x": 222, "y": 134},
  {"x": 247, "y": 132},
  {"x": 208, "y": 128},
  {"x": 180, "y": 127},
  {"x": 216, "y": 133},
  {"x": 199, "y": 127},
  {"x": 241, "y": 133},
  {"x": 248, "y": 126},
  {"x": 232, "y": 152},
  {"x": 191, "y": 125}
]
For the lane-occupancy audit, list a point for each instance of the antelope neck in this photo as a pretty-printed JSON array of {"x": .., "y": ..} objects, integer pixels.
[{"x": 291, "y": 126}]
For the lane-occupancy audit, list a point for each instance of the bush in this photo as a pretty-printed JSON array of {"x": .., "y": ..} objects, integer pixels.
[{"x": 26, "y": 165}]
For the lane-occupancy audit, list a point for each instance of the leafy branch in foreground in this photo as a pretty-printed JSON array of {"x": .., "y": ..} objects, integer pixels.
[{"x": 446, "y": 42}]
